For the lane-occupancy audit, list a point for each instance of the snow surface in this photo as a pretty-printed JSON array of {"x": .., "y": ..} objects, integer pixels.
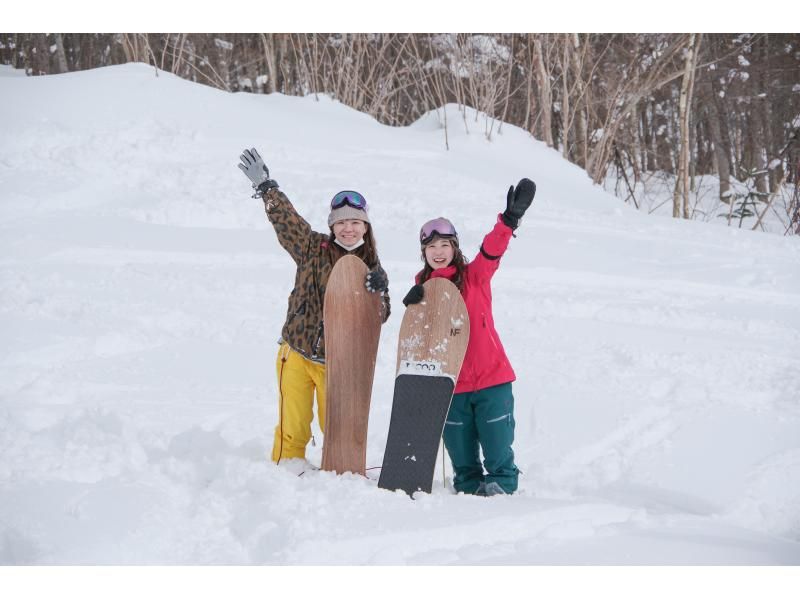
[{"x": 143, "y": 291}]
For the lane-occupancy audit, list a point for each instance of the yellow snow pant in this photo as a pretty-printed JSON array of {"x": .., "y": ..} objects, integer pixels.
[{"x": 298, "y": 379}]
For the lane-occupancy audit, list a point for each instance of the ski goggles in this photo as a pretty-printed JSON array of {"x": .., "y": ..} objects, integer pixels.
[
  {"x": 438, "y": 226},
  {"x": 351, "y": 198}
]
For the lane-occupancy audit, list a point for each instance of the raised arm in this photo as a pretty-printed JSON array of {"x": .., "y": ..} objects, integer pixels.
[
  {"x": 294, "y": 233},
  {"x": 494, "y": 245}
]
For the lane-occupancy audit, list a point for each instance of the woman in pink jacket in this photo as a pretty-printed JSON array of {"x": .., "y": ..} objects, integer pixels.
[{"x": 482, "y": 410}]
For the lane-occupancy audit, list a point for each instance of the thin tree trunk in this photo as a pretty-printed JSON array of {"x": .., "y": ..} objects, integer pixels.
[
  {"x": 545, "y": 93},
  {"x": 177, "y": 57},
  {"x": 39, "y": 55},
  {"x": 581, "y": 125},
  {"x": 715, "y": 130},
  {"x": 268, "y": 41},
  {"x": 508, "y": 87},
  {"x": 529, "y": 92},
  {"x": 663, "y": 149},
  {"x": 565, "y": 103},
  {"x": 646, "y": 145},
  {"x": 758, "y": 149},
  {"x": 680, "y": 203},
  {"x": 61, "y": 57}
]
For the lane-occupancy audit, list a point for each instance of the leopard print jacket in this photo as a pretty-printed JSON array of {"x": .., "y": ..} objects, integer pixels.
[{"x": 314, "y": 256}]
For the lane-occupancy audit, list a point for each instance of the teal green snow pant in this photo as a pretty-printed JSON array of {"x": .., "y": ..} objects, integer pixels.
[{"x": 482, "y": 418}]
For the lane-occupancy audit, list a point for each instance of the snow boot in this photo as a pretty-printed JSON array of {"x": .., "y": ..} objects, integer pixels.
[{"x": 493, "y": 489}]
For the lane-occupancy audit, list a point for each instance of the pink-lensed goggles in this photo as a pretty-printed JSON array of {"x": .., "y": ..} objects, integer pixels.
[{"x": 441, "y": 227}]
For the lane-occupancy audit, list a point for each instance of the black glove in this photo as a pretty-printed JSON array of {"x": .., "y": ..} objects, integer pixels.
[
  {"x": 414, "y": 295},
  {"x": 517, "y": 201},
  {"x": 377, "y": 281},
  {"x": 258, "y": 173}
]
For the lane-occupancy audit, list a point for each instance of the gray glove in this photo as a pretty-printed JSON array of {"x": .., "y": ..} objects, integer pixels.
[{"x": 258, "y": 173}]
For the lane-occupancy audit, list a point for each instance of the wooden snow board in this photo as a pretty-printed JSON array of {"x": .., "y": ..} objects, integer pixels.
[
  {"x": 352, "y": 320},
  {"x": 433, "y": 340}
]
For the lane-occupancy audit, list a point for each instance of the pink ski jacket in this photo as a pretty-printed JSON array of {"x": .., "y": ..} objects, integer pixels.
[{"x": 485, "y": 363}]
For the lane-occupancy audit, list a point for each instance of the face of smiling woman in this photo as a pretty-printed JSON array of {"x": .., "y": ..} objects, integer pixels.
[
  {"x": 439, "y": 253},
  {"x": 349, "y": 232}
]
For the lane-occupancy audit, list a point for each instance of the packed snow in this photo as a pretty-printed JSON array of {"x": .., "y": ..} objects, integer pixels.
[{"x": 142, "y": 292}]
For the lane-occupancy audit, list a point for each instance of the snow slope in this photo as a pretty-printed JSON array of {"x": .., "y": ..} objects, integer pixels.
[{"x": 142, "y": 291}]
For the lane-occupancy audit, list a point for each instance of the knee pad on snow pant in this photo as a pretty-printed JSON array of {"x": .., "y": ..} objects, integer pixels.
[{"x": 298, "y": 380}]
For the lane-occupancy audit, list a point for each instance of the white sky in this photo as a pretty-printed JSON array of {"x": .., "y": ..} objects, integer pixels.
[{"x": 410, "y": 15}]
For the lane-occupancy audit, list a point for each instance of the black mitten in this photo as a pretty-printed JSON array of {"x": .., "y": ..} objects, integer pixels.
[
  {"x": 414, "y": 295},
  {"x": 517, "y": 201}
]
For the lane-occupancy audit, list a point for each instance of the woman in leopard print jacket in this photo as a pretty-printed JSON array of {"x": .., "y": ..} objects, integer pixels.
[{"x": 301, "y": 356}]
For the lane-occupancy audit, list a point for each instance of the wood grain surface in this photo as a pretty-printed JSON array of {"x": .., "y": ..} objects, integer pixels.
[
  {"x": 352, "y": 317},
  {"x": 434, "y": 332}
]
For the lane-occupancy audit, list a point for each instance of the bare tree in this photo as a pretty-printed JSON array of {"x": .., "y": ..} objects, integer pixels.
[
  {"x": 709, "y": 110},
  {"x": 680, "y": 204},
  {"x": 61, "y": 58},
  {"x": 612, "y": 103},
  {"x": 545, "y": 92},
  {"x": 578, "y": 60}
]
